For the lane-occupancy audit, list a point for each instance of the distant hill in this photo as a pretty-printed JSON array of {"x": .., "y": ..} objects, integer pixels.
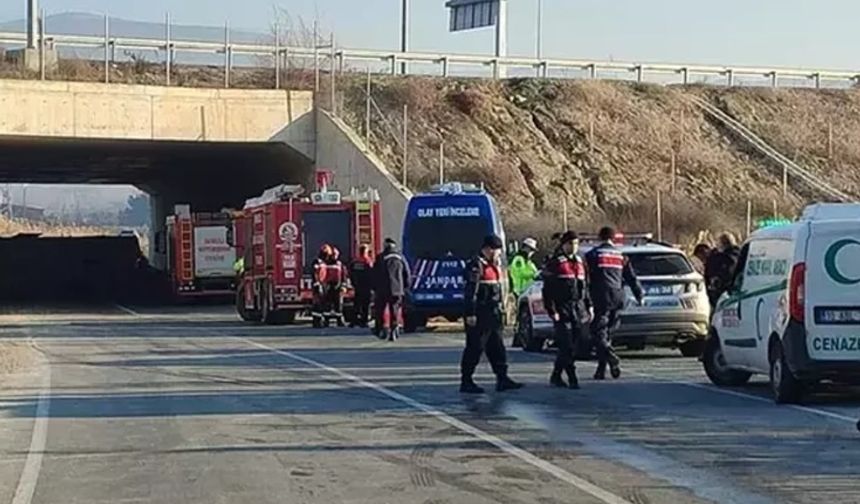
[{"x": 76, "y": 23}]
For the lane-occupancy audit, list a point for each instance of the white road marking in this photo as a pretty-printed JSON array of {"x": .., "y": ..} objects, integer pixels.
[
  {"x": 595, "y": 491},
  {"x": 33, "y": 464},
  {"x": 128, "y": 310}
]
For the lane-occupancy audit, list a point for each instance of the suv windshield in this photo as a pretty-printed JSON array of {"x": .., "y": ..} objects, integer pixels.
[
  {"x": 441, "y": 237},
  {"x": 660, "y": 264}
]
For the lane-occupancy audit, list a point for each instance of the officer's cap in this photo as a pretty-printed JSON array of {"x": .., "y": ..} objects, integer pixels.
[
  {"x": 493, "y": 242},
  {"x": 568, "y": 236}
]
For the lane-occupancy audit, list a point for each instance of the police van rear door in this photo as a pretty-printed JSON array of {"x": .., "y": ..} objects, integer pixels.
[{"x": 832, "y": 290}]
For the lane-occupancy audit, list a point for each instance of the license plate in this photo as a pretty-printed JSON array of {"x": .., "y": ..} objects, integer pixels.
[
  {"x": 659, "y": 290},
  {"x": 661, "y": 303},
  {"x": 837, "y": 315}
]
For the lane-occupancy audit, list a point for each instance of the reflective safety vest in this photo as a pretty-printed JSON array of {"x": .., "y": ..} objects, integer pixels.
[{"x": 522, "y": 272}]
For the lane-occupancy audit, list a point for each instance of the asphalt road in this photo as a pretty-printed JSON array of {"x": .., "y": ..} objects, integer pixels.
[{"x": 190, "y": 405}]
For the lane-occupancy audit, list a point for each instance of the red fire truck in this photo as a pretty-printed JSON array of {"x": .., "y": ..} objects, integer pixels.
[
  {"x": 279, "y": 234},
  {"x": 199, "y": 258}
]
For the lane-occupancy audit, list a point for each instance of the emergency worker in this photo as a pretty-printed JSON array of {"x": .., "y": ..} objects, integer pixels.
[
  {"x": 335, "y": 283},
  {"x": 607, "y": 272},
  {"x": 391, "y": 279},
  {"x": 320, "y": 270},
  {"x": 720, "y": 268},
  {"x": 483, "y": 313},
  {"x": 522, "y": 269},
  {"x": 361, "y": 275},
  {"x": 565, "y": 297}
]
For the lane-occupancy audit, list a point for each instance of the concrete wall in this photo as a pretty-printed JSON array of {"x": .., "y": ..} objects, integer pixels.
[
  {"x": 340, "y": 150},
  {"x": 300, "y": 135},
  {"x": 87, "y": 110}
]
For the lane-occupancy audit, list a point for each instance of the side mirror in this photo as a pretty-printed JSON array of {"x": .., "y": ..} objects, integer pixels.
[
  {"x": 159, "y": 242},
  {"x": 231, "y": 236}
]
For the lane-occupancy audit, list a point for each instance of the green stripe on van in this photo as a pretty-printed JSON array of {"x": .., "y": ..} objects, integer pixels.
[{"x": 740, "y": 296}]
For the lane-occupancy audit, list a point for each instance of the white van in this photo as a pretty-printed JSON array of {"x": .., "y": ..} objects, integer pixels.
[{"x": 793, "y": 310}]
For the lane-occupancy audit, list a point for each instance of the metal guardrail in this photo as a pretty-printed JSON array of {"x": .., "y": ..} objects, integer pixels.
[
  {"x": 542, "y": 67},
  {"x": 792, "y": 168}
]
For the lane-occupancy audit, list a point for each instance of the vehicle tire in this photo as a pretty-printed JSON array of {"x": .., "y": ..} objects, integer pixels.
[
  {"x": 785, "y": 387},
  {"x": 692, "y": 348},
  {"x": 413, "y": 321},
  {"x": 244, "y": 313},
  {"x": 285, "y": 317},
  {"x": 530, "y": 342},
  {"x": 718, "y": 370}
]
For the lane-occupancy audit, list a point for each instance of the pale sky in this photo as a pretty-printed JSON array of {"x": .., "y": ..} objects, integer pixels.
[{"x": 809, "y": 33}]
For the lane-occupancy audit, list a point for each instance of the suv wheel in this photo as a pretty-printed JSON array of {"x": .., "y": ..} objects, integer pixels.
[
  {"x": 717, "y": 368},
  {"x": 786, "y": 388},
  {"x": 529, "y": 341}
]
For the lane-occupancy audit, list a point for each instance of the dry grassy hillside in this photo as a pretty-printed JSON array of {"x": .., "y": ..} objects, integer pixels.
[
  {"x": 606, "y": 147},
  {"x": 12, "y": 227}
]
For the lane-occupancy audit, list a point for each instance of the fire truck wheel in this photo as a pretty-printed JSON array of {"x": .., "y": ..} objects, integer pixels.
[{"x": 244, "y": 313}]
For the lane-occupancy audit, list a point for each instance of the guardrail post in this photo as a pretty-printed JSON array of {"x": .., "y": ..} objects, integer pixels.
[
  {"x": 107, "y": 49},
  {"x": 167, "y": 58},
  {"x": 544, "y": 69},
  {"x": 817, "y": 77},
  {"x": 496, "y": 68},
  {"x": 685, "y": 75},
  {"x": 227, "y": 54},
  {"x": 592, "y": 71},
  {"x": 639, "y": 73},
  {"x": 730, "y": 77},
  {"x": 277, "y": 56},
  {"x": 340, "y": 62},
  {"x": 393, "y": 58},
  {"x": 774, "y": 79},
  {"x": 444, "y": 62}
]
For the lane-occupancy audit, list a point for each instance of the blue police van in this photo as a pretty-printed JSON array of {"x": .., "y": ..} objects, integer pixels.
[{"x": 443, "y": 229}]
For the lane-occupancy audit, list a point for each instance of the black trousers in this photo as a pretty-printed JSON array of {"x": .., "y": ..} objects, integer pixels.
[
  {"x": 362, "y": 306},
  {"x": 604, "y": 324},
  {"x": 484, "y": 338},
  {"x": 568, "y": 334}
]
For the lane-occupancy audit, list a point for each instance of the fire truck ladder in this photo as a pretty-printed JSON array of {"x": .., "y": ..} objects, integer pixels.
[
  {"x": 365, "y": 232},
  {"x": 186, "y": 246}
]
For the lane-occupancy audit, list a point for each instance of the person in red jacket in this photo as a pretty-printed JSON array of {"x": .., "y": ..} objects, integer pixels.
[{"x": 360, "y": 273}]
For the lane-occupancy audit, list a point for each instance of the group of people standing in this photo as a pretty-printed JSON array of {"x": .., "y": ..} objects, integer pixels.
[
  {"x": 381, "y": 281},
  {"x": 717, "y": 265},
  {"x": 578, "y": 294}
]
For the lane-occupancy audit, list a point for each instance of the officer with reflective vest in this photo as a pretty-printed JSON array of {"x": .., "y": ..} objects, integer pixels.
[
  {"x": 608, "y": 272},
  {"x": 320, "y": 270},
  {"x": 565, "y": 297},
  {"x": 335, "y": 283},
  {"x": 522, "y": 269},
  {"x": 484, "y": 310}
]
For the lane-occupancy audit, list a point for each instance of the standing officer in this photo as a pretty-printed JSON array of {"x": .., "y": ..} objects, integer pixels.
[
  {"x": 320, "y": 269},
  {"x": 484, "y": 317},
  {"x": 360, "y": 273},
  {"x": 392, "y": 279},
  {"x": 608, "y": 271},
  {"x": 522, "y": 269},
  {"x": 565, "y": 298}
]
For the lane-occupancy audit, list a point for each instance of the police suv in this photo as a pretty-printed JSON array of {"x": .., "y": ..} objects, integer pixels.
[
  {"x": 675, "y": 307},
  {"x": 793, "y": 309}
]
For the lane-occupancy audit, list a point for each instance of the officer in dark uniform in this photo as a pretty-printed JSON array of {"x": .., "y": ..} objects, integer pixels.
[
  {"x": 484, "y": 318},
  {"x": 392, "y": 281},
  {"x": 361, "y": 276},
  {"x": 566, "y": 300},
  {"x": 607, "y": 272}
]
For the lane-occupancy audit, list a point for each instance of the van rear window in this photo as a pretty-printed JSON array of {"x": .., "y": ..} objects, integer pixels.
[
  {"x": 660, "y": 264},
  {"x": 441, "y": 237}
]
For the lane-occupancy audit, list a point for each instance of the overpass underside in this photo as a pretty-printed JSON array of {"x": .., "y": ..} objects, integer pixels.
[{"x": 207, "y": 175}]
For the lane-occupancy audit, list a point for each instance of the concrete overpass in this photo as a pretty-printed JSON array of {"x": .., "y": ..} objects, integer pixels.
[{"x": 208, "y": 147}]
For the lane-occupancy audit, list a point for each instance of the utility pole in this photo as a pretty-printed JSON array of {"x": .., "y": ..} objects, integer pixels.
[
  {"x": 501, "y": 38},
  {"x": 539, "y": 41},
  {"x": 32, "y": 23},
  {"x": 404, "y": 34}
]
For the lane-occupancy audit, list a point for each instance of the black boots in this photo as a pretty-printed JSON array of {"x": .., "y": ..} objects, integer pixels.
[
  {"x": 614, "y": 371},
  {"x": 468, "y": 386},
  {"x": 557, "y": 381},
  {"x": 503, "y": 383}
]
